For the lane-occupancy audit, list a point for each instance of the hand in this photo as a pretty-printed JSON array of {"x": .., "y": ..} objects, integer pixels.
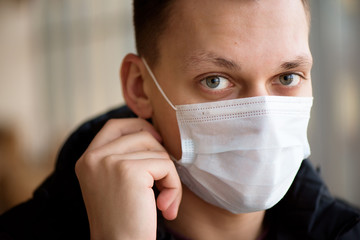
[{"x": 116, "y": 175}]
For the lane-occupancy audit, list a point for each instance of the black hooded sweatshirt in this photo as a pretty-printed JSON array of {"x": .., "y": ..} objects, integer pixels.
[{"x": 57, "y": 211}]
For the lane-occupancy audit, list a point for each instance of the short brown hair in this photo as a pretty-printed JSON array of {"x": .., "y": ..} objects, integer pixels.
[{"x": 150, "y": 21}]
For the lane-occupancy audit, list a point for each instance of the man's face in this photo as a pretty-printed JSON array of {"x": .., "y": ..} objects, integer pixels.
[{"x": 216, "y": 50}]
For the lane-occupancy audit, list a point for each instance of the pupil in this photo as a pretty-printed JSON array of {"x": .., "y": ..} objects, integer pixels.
[
  {"x": 286, "y": 80},
  {"x": 213, "y": 82}
]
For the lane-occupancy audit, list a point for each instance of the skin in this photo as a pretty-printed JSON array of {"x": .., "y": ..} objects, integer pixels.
[{"x": 250, "y": 46}]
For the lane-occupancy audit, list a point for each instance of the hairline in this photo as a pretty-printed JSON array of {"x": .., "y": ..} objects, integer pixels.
[{"x": 153, "y": 60}]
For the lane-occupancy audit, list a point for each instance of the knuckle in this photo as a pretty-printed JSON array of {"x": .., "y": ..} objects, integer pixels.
[
  {"x": 109, "y": 159},
  {"x": 123, "y": 165},
  {"x": 90, "y": 156},
  {"x": 124, "y": 168},
  {"x": 106, "y": 164},
  {"x": 87, "y": 161}
]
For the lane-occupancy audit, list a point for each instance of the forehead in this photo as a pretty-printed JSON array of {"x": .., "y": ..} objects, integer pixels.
[{"x": 237, "y": 28}]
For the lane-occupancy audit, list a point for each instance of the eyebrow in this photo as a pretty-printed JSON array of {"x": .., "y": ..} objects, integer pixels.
[
  {"x": 300, "y": 61},
  {"x": 208, "y": 57}
]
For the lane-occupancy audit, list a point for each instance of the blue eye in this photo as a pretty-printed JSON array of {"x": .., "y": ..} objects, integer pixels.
[
  {"x": 215, "y": 82},
  {"x": 290, "y": 79}
]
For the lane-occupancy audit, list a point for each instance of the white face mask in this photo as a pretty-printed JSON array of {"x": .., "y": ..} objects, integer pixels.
[{"x": 242, "y": 155}]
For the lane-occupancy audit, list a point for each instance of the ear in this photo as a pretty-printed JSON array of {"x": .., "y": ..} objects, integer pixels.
[{"x": 133, "y": 87}]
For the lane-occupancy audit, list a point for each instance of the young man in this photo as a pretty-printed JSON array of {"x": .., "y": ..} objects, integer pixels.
[{"x": 225, "y": 87}]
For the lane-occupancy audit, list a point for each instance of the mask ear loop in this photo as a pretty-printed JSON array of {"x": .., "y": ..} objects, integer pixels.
[{"x": 157, "y": 84}]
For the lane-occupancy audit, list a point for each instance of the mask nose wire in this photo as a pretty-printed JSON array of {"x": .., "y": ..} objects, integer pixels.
[{"x": 157, "y": 84}]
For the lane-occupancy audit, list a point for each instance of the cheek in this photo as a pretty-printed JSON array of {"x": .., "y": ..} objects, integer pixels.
[
  {"x": 306, "y": 91},
  {"x": 164, "y": 120}
]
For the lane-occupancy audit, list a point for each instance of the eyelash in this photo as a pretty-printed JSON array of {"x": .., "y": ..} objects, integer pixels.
[
  {"x": 231, "y": 83},
  {"x": 302, "y": 77},
  {"x": 215, "y": 75}
]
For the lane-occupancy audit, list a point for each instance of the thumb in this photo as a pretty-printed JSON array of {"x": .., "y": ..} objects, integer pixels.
[{"x": 168, "y": 202}]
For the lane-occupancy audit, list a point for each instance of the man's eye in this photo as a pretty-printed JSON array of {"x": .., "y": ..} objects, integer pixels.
[
  {"x": 215, "y": 82},
  {"x": 290, "y": 79}
]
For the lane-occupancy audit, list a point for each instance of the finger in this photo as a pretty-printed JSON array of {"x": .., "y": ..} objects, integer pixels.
[
  {"x": 162, "y": 171},
  {"x": 165, "y": 199},
  {"x": 140, "y": 156},
  {"x": 168, "y": 182},
  {"x": 170, "y": 213},
  {"x": 116, "y": 128},
  {"x": 135, "y": 142}
]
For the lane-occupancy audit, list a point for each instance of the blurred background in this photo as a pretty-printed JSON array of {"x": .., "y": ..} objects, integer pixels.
[{"x": 59, "y": 65}]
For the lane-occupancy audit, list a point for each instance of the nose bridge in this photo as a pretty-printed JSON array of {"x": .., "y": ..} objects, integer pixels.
[
  {"x": 255, "y": 88},
  {"x": 255, "y": 75}
]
